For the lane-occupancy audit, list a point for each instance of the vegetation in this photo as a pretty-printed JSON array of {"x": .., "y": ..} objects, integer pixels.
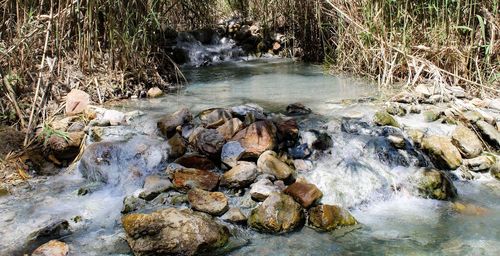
[{"x": 115, "y": 48}]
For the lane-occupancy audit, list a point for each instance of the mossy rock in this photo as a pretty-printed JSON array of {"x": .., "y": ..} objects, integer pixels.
[
  {"x": 383, "y": 118},
  {"x": 435, "y": 184},
  {"x": 279, "y": 213}
]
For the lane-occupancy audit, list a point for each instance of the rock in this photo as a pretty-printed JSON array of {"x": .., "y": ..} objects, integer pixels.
[
  {"x": 189, "y": 178},
  {"x": 178, "y": 146},
  {"x": 288, "y": 131},
  {"x": 4, "y": 191},
  {"x": 51, "y": 231},
  {"x": 214, "y": 203},
  {"x": 262, "y": 189},
  {"x": 396, "y": 141},
  {"x": 495, "y": 169},
  {"x": 466, "y": 141},
  {"x": 209, "y": 142},
  {"x": 299, "y": 152},
  {"x": 435, "y": 184},
  {"x": 114, "y": 117},
  {"x": 270, "y": 164},
  {"x": 382, "y": 118},
  {"x": 195, "y": 161},
  {"x": 173, "y": 232},
  {"x": 230, "y": 128},
  {"x": 76, "y": 102},
  {"x": 279, "y": 213},
  {"x": 302, "y": 165},
  {"x": 52, "y": 248},
  {"x": 257, "y": 138},
  {"x": 169, "y": 123},
  {"x": 297, "y": 109},
  {"x": 153, "y": 186},
  {"x": 457, "y": 91},
  {"x": 214, "y": 117},
  {"x": 396, "y": 109},
  {"x": 329, "y": 217},
  {"x": 494, "y": 104},
  {"x": 235, "y": 216},
  {"x": 472, "y": 116},
  {"x": 231, "y": 153},
  {"x": 442, "y": 152},
  {"x": 469, "y": 209},
  {"x": 66, "y": 146},
  {"x": 248, "y": 109},
  {"x": 432, "y": 115},
  {"x": 480, "y": 163},
  {"x": 240, "y": 176},
  {"x": 403, "y": 97},
  {"x": 490, "y": 133},
  {"x": 425, "y": 90},
  {"x": 132, "y": 203},
  {"x": 416, "y": 136},
  {"x": 154, "y": 92},
  {"x": 304, "y": 193}
]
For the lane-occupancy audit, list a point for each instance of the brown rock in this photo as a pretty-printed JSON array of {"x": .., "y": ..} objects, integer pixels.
[
  {"x": 214, "y": 203},
  {"x": 330, "y": 217},
  {"x": 241, "y": 175},
  {"x": 178, "y": 146},
  {"x": 304, "y": 193},
  {"x": 257, "y": 138},
  {"x": 76, "y": 102},
  {"x": 52, "y": 248},
  {"x": 214, "y": 117},
  {"x": 185, "y": 179},
  {"x": 230, "y": 128},
  {"x": 173, "y": 232},
  {"x": 195, "y": 161},
  {"x": 234, "y": 215},
  {"x": 65, "y": 146},
  {"x": 169, "y": 123},
  {"x": 209, "y": 142}
]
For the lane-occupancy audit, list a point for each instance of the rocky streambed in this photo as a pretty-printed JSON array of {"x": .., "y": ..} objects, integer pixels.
[{"x": 222, "y": 169}]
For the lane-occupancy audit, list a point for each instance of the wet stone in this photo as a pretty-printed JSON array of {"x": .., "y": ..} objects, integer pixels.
[
  {"x": 231, "y": 153},
  {"x": 186, "y": 179},
  {"x": 235, "y": 216},
  {"x": 269, "y": 163},
  {"x": 304, "y": 193},
  {"x": 297, "y": 109},
  {"x": 169, "y": 123},
  {"x": 195, "y": 161},
  {"x": 490, "y": 133},
  {"x": 257, "y": 138},
  {"x": 241, "y": 175},
  {"x": 330, "y": 217},
  {"x": 262, "y": 189},
  {"x": 442, "y": 152},
  {"x": 52, "y": 248},
  {"x": 435, "y": 184},
  {"x": 382, "y": 118},
  {"x": 279, "y": 213},
  {"x": 153, "y": 186},
  {"x": 214, "y": 203},
  {"x": 467, "y": 142}
]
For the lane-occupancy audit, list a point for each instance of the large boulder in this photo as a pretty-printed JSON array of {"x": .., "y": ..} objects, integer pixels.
[
  {"x": 240, "y": 176},
  {"x": 257, "y": 138},
  {"x": 209, "y": 142},
  {"x": 214, "y": 203},
  {"x": 466, "y": 141},
  {"x": 173, "y": 232},
  {"x": 442, "y": 152},
  {"x": 52, "y": 248},
  {"x": 169, "y": 123},
  {"x": 304, "y": 193},
  {"x": 329, "y": 217},
  {"x": 490, "y": 133},
  {"x": 186, "y": 179},
  {"x": 269, "y": 163},
  {"x": 435, "y": 184},
  {"x": 279, "y": 213}
]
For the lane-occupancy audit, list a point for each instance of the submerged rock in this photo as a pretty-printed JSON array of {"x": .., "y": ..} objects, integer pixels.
[
  {"x": 173, "y": 232},
  {"x": 269, "y": 163},
  {"x": 279, "y": 213},
  {"x": 330, "y": 217},
  {"x": 304, "y": 193},
  {"x": 257, "y": 138},
  {"x": 382, "y": 118},
  {"x": 434, "y": 184},
  {"x": 240, "y": 176},
  {"x": 442, "y": 152},
  {"x": 214, "y": 203},
  {"x": 169, "y": 123},
  {"x": 466, "y": 141},
  {"x": 53, "y": 230},
  {"x": 132, "y": 203},
  {"x": 52, "y": 248},
  {"x": 185, "y": 179}
]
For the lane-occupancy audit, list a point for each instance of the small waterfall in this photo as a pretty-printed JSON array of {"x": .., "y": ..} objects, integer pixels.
[{"x": 211, "y": 50}]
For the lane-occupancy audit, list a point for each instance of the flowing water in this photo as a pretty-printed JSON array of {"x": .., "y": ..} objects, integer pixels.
[{"x": 352, "y": 175}]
